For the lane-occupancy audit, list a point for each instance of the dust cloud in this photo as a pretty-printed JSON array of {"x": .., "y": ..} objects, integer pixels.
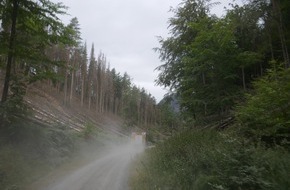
[{"x": 110, "y": 171}]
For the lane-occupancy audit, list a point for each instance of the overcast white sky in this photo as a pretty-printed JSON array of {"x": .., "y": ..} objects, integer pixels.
[{"x": 125, "y": 31}]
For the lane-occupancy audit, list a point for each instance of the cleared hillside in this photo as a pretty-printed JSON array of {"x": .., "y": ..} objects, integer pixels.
[{"x": 48, "y": 108}]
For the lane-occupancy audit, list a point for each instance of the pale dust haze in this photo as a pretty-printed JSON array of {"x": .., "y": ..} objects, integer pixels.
[{"x": 110, "y": 171}]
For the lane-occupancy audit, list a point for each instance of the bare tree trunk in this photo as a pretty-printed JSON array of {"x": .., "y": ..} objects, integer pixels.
[
  {"x": 277, "y": 12},
  {"x": 83, "y": 91},
  {"x": 71, "y": 86},
  {"x": 102, "y": 101},
  {"x": 73, "y": 76},
  {"x": 10, "y": 50},
  {"x": 66, "y": 79},
  {"x": 243, "y": 76},
  {"x": 89, "y": 94},
  {"x": 65, "y": 87}
]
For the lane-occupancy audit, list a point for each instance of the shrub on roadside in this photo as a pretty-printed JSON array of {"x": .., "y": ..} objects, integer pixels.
[
  {"x": 266, "y": 112},
  {"x": 212, "y": 160},
  {"x": 89, "y": 132}
]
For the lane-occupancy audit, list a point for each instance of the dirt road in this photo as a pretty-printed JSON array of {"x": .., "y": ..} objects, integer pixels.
[{"x": 109, "y": 172}]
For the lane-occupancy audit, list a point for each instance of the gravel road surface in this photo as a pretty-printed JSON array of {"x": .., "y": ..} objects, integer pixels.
[{"x": 108, "y": 172}]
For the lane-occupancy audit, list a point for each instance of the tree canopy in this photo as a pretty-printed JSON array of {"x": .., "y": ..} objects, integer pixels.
[
  {"x": 209, "y": 61},
  {"x": 28, "y": 28}
]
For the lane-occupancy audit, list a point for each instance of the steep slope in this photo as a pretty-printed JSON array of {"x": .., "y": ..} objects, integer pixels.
[{"x": 48, "y": 108}]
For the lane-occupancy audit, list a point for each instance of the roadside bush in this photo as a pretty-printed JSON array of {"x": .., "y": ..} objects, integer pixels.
[
  {"x": 212, "y": 160},
  {"x": 266, "y": 112},
  {"x": 89, "y": 132}
]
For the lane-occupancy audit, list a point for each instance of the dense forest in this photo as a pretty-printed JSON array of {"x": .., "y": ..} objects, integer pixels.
[
  {"x": 230, "y": 75},
  {"x": 234, "y": 67},
  {"x": 228, "y": 110},
  {"x": 210, "y": 62}
]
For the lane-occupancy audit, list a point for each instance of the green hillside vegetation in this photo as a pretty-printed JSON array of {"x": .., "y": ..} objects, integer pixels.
[
  {"x": 231, "y": 75},
  {"x": 208, "y": 159},
  {"x": 252, "y": 154}
]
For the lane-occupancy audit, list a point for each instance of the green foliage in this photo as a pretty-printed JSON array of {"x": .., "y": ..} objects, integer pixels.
[
  {"x": 170, "y": 119},
  {"x": 210, "y": 61},
  {"x": 203, "y": 61},
  {"x": 209, "y": 81},
  {"x": 37, "y": 27},
  {"x": 212, "y": 160},
  {"x": 72, "y": 35},
  {"x": 267, "y": 109},
  {"x": 89, "y": 132},
  {"x": 13, "y": 110}
]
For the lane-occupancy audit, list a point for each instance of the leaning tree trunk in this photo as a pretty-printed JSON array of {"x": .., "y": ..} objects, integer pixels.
[
  {"x": 83, "y": 91},
  {"x": 65, "y": 84},
  {"x": 72, "y": 82},
  {"x": 10, "y": 49},
  {"x": 244, "y": 78},
  {"x": 278, "y": 14}
]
